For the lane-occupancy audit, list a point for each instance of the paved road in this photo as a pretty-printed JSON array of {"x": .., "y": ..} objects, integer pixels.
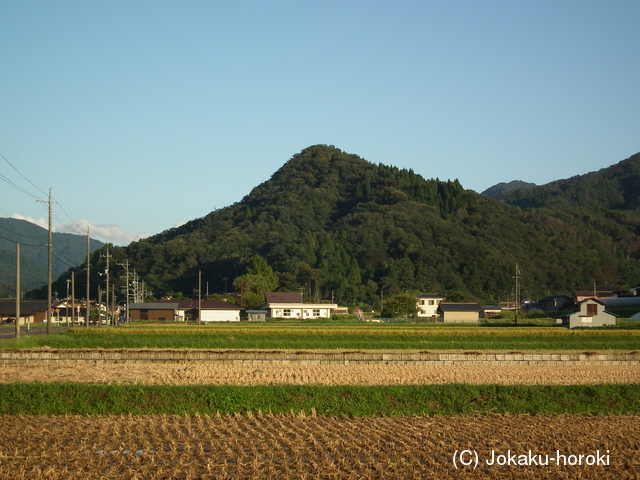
[{"x": 10, "y": 332}]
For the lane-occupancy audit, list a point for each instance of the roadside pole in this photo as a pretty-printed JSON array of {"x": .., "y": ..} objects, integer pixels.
[{"x": 17, "y": 290}]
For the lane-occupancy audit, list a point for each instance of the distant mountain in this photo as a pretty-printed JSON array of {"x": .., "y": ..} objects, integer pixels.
[
  {"x": 615, "y": 188},
  {"x": 503, "y": 187},
  {"x": 335, "y": 226},
  {"x": 68, "y": 251}
]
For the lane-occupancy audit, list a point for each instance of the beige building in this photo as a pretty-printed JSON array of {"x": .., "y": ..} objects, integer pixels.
[{"x": 459, "y": 312}]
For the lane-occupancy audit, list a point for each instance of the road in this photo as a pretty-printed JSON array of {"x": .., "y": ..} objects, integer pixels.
[{"x": 10, "y": 331}]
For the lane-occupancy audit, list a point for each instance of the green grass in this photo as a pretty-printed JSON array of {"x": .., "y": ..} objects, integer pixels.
[
  {"x": 335, "y": 335},
  {"x": 452, "y": 399}
]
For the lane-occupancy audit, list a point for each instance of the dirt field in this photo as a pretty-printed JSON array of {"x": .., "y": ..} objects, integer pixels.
[
  {"x": 294, "y": 447},
  {"x": 299, "y": 447},
  {"x": 268, "y": 374}
]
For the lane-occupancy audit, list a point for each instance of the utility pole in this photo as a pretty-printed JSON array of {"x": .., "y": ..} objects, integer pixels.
[
  {"x": 126, "y": 268},
  {"x": 17, "y": 290},
  {"x": 73, "y": 298},
  {"x": 66, "y": 308},
  {"x": 88, "y": 302},
  {"x": 49, "y": 268},
  {"x": 199, "y": 297},
  {"x": 517, "y": 294},
  {"x": 107, "y": 256}
]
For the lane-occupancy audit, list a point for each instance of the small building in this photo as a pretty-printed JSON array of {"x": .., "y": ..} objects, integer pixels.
[
  {"x": 459, "y": 312},
  {"x": 30, "y": 311},
  {"x": 632, "y": 301},
  {"x": 185, "y": 310},
  {"x": 289, "y": 305},
  {"x": 154, "y": 311},
  {"x": 257, "y": 315},
  {"x": 599, "y": 293},
  {"x": 589, "y": 313},
  {"x": 554, "y": 303},
  {"x": 490, "y": 311},
  {"x": 427, "y": 305}
]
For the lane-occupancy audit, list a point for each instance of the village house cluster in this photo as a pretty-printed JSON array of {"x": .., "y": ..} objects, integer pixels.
[{"x": 587, "y": 308}]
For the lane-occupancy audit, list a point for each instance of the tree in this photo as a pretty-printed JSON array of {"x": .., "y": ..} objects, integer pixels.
[
  {"x": 258, "y": 280},
  {"x": 400, "y": 306}
]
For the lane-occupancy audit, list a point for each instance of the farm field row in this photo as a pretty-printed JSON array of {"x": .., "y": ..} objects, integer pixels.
[
  {"x": 338, "y": 400},
  {"x": 296, "y": 446},
  {"x": 338, "y": 336},
  {"x": 351, "y": 374}
]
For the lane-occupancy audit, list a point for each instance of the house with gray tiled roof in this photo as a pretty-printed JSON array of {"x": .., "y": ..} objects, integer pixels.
[{"x": 290, "y": 305}]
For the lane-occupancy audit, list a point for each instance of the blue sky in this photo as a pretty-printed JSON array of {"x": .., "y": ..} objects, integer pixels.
[{"x": 142, "y": 115}]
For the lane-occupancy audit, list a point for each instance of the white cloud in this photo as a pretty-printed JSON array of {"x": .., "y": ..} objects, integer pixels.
[
  {"x": 41, "y": 222},
  {"x": 103, "y": 232}
]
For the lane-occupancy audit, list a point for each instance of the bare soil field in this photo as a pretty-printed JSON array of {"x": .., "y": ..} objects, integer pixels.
[
  {"x": 298, "y": 447},
  {"x": 270, "y": 374}
]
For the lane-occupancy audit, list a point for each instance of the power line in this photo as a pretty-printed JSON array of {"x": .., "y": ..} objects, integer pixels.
[
  {"x": 22, "y": 175},
  {"x": 75, "y": 223},
  {"x": 37, "y": 197},
  {"x": 20, "y": 234},
  {"x": 20, "y": 189}
]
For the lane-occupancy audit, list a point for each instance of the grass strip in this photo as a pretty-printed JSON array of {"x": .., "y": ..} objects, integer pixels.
[
  {"x": 357, "y": 401},
  {"x": 340, "y": 339}
]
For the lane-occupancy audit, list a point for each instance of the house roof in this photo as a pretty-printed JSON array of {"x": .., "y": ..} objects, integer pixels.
[
  {"x": 430, "y": 295},
  {"x": 206, "y": 305},
  {"x": 491, "y": 307},
  {"x": 551, "y": 298},
  {"x": 591, "y": 300},
  {"x": 459, "y": 307},
  {"x": 283, "y": 297},
  {"x": 27, "y": 307},
  {"x": 154, "y": 306},
  {"x": 184, "y": 305},
  {"x": 589, "y": 292}
]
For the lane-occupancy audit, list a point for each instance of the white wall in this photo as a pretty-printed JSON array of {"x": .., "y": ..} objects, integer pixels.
[{"x": 220, "y": 315}]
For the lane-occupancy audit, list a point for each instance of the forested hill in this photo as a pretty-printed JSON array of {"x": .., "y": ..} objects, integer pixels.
[
  {"x": 503, "y": 187},
  {"x": 68, "y": 251},
  {"x": 338, "y": 227},
  {"x": 613, "y": 188}
]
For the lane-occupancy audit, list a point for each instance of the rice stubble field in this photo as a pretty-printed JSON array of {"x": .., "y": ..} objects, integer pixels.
[{"x": 308, "y": 445}]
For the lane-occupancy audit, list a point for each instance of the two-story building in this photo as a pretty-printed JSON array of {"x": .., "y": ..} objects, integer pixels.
[
  {"x": 589, "y": 313},
  {"x": 289, "y": 305},
  {"x": 427, "y": 304}
]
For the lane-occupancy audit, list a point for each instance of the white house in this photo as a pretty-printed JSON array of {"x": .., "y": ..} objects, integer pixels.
[
  {"x": 289, "y": 305},
  {"x": 589, "y": 313},
  {"x": 427, "y": 304},
  {"x": 211, "y": 311},
  {"x": 181, "y": 310}
]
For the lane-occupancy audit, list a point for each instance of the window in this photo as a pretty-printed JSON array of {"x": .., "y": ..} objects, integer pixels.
[
  {"x": 316, "y": 312},
  {"x": 592, "y": 309},
  {"x": 286, "y": 312},
  {"x": 431, "y": 302}
]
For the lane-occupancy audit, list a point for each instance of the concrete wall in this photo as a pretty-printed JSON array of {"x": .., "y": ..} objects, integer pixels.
[
  {"x": 312, "y": 357},
  {"x": 461, "y": 317}
]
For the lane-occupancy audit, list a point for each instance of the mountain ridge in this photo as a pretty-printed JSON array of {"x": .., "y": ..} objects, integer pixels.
[
  {"x": 337, "y": 226},
  {"x": 68, "y": 251}
]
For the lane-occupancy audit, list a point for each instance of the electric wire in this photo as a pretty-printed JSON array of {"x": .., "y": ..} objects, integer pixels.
[
  {"x": 17, "y": 187},
  {"x": 22, "y": 175}
]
